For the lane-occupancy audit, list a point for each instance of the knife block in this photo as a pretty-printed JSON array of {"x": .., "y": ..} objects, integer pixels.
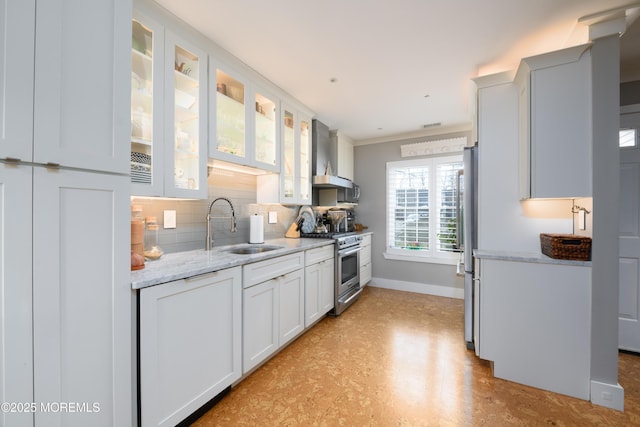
[{"x": 293, "y": 232}]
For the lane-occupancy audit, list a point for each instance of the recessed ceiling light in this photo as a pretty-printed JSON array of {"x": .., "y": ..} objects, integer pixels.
[
  {"x": 427, "y": 95},
  {"x": 333, "y": 80}
]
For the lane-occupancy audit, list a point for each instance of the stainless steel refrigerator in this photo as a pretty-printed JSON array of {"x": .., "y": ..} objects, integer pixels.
[{"x": 469, "y": 225}]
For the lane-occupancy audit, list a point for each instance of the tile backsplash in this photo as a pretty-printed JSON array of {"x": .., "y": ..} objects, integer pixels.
[{"x": 190, "y": 232}]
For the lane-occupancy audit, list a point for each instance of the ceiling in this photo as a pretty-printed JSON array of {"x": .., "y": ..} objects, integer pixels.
[{"x": 380, "y": 69}]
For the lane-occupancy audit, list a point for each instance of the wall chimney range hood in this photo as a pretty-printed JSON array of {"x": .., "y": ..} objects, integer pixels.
[{"x": 324, "y": 158}]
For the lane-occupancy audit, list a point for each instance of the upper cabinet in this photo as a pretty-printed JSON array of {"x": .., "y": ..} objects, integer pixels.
[
  {"x": 168, "y": 104},
  {"x": 293, "y": 185},
  {"x": 555, "y": 124},
  {"x": 147, "y": 67},
  {"x": 185, "y": 98},
  {"x": 244, "y": 128},
  {"x": 58, "y": 114},
  {"x": 16, "y": 106}
]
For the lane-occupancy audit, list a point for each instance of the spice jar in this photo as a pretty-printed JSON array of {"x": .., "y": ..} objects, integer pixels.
[{"x": 152, "y": 250}]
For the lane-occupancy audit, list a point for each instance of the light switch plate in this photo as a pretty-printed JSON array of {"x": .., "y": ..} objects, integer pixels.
[
  {"x": 273, "y": 217},
  {"x": 169, "y": 219}
]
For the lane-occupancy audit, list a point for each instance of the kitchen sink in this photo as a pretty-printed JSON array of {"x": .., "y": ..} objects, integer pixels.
[{"x": 248, "y": 250}]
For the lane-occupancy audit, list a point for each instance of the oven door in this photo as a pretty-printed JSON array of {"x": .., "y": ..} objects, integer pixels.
[{"x": 348, "y": 270}]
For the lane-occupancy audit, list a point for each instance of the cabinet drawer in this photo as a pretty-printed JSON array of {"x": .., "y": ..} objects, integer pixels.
[
  {"x": 313, "y": 256},
  {"x": 261, "y": 271},
  {"x": 366, "y": 240}
]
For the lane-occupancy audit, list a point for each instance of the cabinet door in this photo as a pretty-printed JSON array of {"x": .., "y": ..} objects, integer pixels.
[
  {"x": 560, "y": 130},
  {"x": 289, "y": 157},
  {"x": 327, "y": 286},
  {"x": 304, "y": 160},
  {"x": 17, "y": 32},
  {"x": 82, "y": 75},
  {"x": 186, "y": 125},
  {"x": 312, "y": 279},
  {"x": 291, "y": 306},
  {"x": 82, "y": 297},
  {"x": 228, "y": 137},
  {"x": 266, "y": 147},
  {"x": 260, "y": 308},
  {"x": 147, "y": 100},
  {"x": 16, "y": 381},
  {"x": 190, "y": 344}
]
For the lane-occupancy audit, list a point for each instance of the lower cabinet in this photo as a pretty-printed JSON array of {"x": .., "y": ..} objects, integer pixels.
[
  {"x": 318, "y": 283},
  {"x": 190, "y": 344},
  {"x": 365, "y": 261},
  {"x": 534, "y": 324},
  {"x": 273, "y": 309}
]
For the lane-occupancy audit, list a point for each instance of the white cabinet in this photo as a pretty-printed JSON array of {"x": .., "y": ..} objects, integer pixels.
[
  {"x": 555, "y": 124},
  {"x": 535, "y": 324},
  {"x": 273, "y": 306},
  {"x": 343, "y": 147},
  {"x": 17, "y": 27},
  {"x": 168, "y": 112},
  {"x": 66, "y": 313},
  {"x": 291, "y": 313},
  {"x": 318, "y": 283},
  {"x": 246, "y": 127},
  {"x": 80, "y": 113},
  {"x": 190, "y": 344},
  {"x": 365, "y": 260},
  {"x": 293, "y": 184},
  {"x": 16, "y": 383},
  {"x": 81, "y": 296}
]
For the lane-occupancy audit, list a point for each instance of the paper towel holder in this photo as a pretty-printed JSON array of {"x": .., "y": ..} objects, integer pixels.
[{"x": 256, "y": 230}]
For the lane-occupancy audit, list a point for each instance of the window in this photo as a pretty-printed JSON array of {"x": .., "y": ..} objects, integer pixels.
[
  {"x": 628, "y": 138},
  {"x": 421, "y": 204}
]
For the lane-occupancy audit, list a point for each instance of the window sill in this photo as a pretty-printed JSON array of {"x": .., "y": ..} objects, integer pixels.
[{"x": 430, "y": 260}]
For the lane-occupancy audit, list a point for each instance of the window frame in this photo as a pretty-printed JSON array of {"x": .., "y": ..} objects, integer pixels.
[{"x": 431, "y": 255}]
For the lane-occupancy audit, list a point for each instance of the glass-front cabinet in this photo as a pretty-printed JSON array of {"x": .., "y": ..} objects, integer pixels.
[
  {"x": 293, "y": 184},
  {"x": 186, "y": 119},
  {"x": 146, "y": 107},
  {"x": 304, "y": 175},
  {"x": 244, "y": 126},
  {"x": 266, "y": 131},
  {"x": 231, "y": 117},
  {"x": 168, "y": 103}
]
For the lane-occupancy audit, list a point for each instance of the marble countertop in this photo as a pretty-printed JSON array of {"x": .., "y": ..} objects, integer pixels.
[
  {"x": 533, "y": 257},
  {"x": 180, "y": 265}
]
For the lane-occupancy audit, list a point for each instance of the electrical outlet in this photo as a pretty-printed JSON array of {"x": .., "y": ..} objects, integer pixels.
[
  {"x": 273, "y": 217},
  {"x": 169, "y": 219}
]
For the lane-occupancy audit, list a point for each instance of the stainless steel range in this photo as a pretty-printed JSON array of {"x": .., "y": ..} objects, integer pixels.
[{"x": 347, "y": 272}]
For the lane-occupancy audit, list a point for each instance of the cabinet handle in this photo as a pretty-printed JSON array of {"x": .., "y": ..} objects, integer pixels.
[
  {"x": 51, "y": 165},
  {"x": 11, "y": 160}
]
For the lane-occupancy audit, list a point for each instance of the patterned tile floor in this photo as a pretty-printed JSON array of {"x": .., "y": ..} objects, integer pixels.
[{"x": 398, "y": 359}]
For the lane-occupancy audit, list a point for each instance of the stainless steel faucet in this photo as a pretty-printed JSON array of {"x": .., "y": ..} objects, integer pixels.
[{"x": 209, "y": 242}]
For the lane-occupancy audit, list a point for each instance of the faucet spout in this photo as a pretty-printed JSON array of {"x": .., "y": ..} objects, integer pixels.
[{"x": 209, "y": 241}]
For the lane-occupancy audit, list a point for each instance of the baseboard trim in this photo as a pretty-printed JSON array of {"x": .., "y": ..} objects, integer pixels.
[
  {"x": 608, "y": 395},
  {"x": 420, "y": 288}
]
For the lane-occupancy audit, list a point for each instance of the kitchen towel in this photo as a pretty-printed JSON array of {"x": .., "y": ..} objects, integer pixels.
[{"x": 256, "y": 229}]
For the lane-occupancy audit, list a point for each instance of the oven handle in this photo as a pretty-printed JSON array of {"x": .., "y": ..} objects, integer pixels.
[
  {"x": 352, "y": 297},
  {"x": 351, "y": 252}
]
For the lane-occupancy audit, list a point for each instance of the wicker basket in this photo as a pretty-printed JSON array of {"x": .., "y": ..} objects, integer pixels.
[{"x": 566, "y": 246}]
